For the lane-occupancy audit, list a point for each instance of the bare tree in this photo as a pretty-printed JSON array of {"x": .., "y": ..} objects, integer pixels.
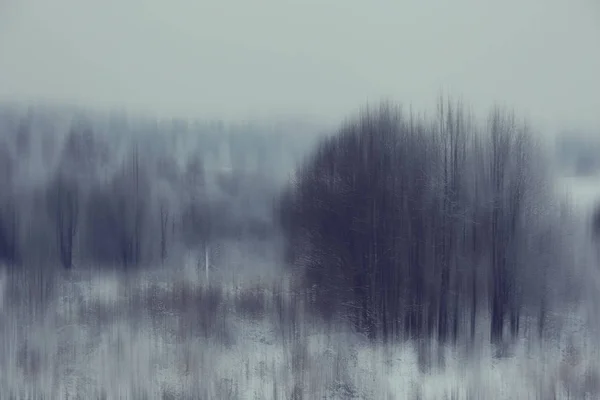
[
  {"x": 23, "y": 138},
  {"x": 164, "y": 229},
  {"x": 9, "y": 235},
  {"x": 8, "y": 208},
  {"x": 508, "y": 186},
  {"x": 196, "y": 217},
  {"x": 83, "y": 154},
  {"x": 63, "y": 209},
  {"x": 117, "y": 214},
  {"x": 596, "y": 223},
  {"x": 395, "y": 222},
  {"x": 131, "y": 189}
]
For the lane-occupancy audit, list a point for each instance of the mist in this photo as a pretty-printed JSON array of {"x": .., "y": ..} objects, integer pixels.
[
  {"x": 299, "y": 199},
  {"x": 324, "y": 59}
]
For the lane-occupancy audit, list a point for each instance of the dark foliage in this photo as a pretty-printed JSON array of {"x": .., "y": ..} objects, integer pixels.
[{"x": 401, "y": 226}]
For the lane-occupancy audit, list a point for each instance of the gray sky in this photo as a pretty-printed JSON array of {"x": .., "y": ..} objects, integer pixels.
[{"x": 325, "y": 57}]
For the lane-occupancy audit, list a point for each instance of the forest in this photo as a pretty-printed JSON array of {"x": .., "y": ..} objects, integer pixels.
[
  {"x": 400, "y": 228},
  {"x": 108, "y": 191}
]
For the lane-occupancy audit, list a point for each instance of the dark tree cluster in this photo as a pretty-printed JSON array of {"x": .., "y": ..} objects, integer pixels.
[{"x": 413, "y": 227}]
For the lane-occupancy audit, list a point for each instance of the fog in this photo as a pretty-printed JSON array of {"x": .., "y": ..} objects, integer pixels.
[
  {"x": 319, "y": 58},
  {"x": 299, "y": 199}
]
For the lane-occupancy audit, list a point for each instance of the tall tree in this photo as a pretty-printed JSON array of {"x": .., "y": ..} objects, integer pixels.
[
  {"x": 63, "y": 208},
  {"x": 395, "y": 222},
  {"x": 9, "y": 242}
]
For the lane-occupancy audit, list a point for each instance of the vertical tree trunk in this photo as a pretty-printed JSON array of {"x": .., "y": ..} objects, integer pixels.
[
  {"x": 164, "y": 220},
  {"x": 474, "y": 295},
  {"x": 206, "y": 261}
]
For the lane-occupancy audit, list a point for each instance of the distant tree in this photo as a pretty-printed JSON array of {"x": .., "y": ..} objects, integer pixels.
[
  {"x": 9, "y": 235},
  {"x": 165, "y": 219},
  {"x": 63, "y": 209},
  {"x": 9, "y": 242},
  {"x": 194, "y": 177},
  {"x": 82, "y": 153},
  {"x": 79, "y": 158},
  {"x": 101, "y": 227},
  {"x": 117, "y": 213},
  {"x": 197, "y": 211},
  {"x": 48, "y": 147},
  {"x": 131, "y": 188},
  {"x": 596, "y": 223},
  {"x": 7, "y": 167},
  {"x": 167, "y": 171},
  {"x": 195, "y": 217},
  {"x": 167, "y": 182},
  {"x": 23, "y": 139}
]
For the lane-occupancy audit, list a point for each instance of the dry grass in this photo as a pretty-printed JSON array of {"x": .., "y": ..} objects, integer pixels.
[{"x": 101, "y": 337}]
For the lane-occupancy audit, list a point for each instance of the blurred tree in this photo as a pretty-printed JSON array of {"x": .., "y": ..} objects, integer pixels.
[
  {"x": 395, "y": 223},
  {"x": 63, "y": 209}
]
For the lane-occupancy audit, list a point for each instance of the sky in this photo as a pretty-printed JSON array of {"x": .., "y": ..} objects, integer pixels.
[{"x": 326, "y": 58}]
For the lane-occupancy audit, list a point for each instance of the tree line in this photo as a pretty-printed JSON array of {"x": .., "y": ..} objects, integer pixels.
[
  {"x": 404, "y": 226},
  {"x": 125, "y": 194}
]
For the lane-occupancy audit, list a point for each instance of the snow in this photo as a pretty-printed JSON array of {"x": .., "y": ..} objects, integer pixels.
[
  {"x": 98, "y": 335},
  {"x": 126, "y": 352}
]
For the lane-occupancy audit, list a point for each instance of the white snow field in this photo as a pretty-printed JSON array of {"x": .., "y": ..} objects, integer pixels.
[{"x": 166, "y": 334}]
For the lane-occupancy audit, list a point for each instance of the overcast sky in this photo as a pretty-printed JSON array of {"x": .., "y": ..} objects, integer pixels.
[{"x": 326, "y": 57}]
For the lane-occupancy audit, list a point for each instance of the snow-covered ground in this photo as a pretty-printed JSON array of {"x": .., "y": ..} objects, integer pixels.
[
  {"x": 167, "y": 335},
  {"x": 100, "y": 337}
]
